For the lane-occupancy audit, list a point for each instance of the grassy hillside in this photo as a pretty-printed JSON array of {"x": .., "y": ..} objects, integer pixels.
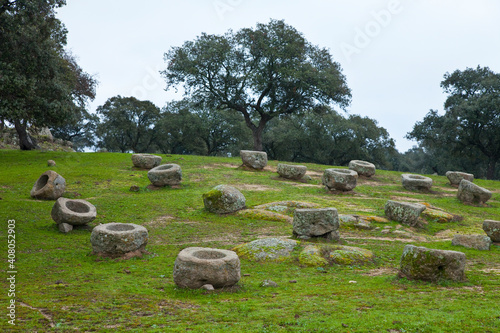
[{"x": 62, "y": 287}]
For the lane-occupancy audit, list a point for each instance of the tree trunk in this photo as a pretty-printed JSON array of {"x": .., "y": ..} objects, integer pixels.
[
  {"x": 490, "y": 174},
  {"x": 257, "y": 135},
  {"x": 26, "y": 141}
]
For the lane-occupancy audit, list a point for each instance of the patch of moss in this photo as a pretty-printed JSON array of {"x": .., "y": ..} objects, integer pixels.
[
  {"x": 267, "y": 249},
  {"x": 433, "y": 215},
  {"x": 311, "y": 256},
  {"x": 262, "y": 214}
]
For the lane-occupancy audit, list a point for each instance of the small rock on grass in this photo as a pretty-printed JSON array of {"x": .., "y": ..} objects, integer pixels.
[
  {"x": 268, "y": 283},
  {"x": 208, "y": 287},
  {"x": 65, "y": 227}
]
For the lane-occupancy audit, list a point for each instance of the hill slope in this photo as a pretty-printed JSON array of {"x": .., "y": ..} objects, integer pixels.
[{"x": 61, "y": 286}]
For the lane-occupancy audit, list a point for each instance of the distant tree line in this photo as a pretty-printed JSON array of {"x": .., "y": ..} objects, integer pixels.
[{"x": 266, "y": 88}]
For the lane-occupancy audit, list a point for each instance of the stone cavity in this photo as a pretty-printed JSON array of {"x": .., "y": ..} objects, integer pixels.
[
  {"x": 117, "y": 239},
  {"x": 166, "y": 174},
  {"x": 50, "y": 186},
  {"x": 146, "y": 161},
  {"x": 267, "y": 249},
  {"x": 73, "y": 211},
  {"x": 478, "y": 242},
  {"x": 198, "y": 266},
  {"x": 316, "y": 223},
  {"x": 455, "y": 177},
  {"x": 291, "y": 171},
  {"x": 492, "y": 229},
  {"x": 254, "y": 159},
  {"x": 363, "y": 168},
  {"x": 404, "y": 212},
  {"x": 340, "y": 179},
  {"x": 469, "y": 192},
  {"x": 420, "y": 263},
  {"x": 416, "y": 182},
  {"x": 223, "y": 199}
]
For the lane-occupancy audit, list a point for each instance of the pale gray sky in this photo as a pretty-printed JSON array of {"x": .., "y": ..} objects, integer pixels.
[{"x": 394, "y": 53}]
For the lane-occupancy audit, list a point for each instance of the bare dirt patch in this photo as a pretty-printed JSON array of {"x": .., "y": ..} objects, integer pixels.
[
  {"x": 220, "y": 165},
  {"x": 254, "y": 187},
  {"x": 160, "y": 221},
  {"x": 315, "y": 174},
  {"x": 491, "y": 270},
  {"x": 397, "y": 198},
  {"x": 381, "y": 271}
]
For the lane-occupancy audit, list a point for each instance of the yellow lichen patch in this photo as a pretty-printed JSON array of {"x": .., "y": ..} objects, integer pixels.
[
  {"x": 264, "y": 215},
  {"x": 378, "y": 219},
  {"x": 437, "y": 216}
]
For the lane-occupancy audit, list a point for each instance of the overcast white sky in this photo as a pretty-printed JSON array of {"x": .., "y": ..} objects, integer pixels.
[{"x": 393, "y": 53}]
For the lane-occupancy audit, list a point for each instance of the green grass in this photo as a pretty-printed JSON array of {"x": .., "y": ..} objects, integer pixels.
[{"x": 65, "y": 286}]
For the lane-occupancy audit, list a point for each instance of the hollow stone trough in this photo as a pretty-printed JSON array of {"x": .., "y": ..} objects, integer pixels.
[
  {"x": 196, "y": 267},
  {"x": 340, "y": 179},
  {"x": 72, "y": 212},
  {"x": 291, "y": 171},
  {"x": 146, "y": 161},
  {"x": 363, "y": 168},
  {"x": 416, "y": 182},
  {"x": 165, "y": 174},
  {"x": 118, "y": 239},
  {"x": 49, "y": 186}
]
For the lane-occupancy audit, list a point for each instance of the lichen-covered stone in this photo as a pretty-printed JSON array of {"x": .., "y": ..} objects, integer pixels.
[
  {"x": 116, "y": 239},
  {"x": 166, "y": 174},
  {"x": 340, "y": 179},
  {"x": 254, "y": 159},
  {"x": 435, "y": 215},
  {"x": 311, "y": 256},
  {"x": 323, "y": 254},
  {"x": 377, "y": 219},
  {"x": 349, "y": 255},
  {"x": 478, "y": 242},
  {"x": 363, "y": 168},
  {"x": 404, "y": 212},
  {"x": 195, "y": 267},
  {"x": 420, "y": 263},
  {"x": 455, "y": 177},
  {"x": 50, "y": 186},
  {"x": 316, "y": 222},
  {"x": 291, "y": 171},
  {"x": 416, "y": 182},
  {"x": 469, "y": 192},
  {"x": 492, "y": 229},
  {"x": 223, "y": 199},
  {"x": 73, "y": 211},
  {"x": 267, "y": 249},
  {"x": 146, "y": 161}
]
